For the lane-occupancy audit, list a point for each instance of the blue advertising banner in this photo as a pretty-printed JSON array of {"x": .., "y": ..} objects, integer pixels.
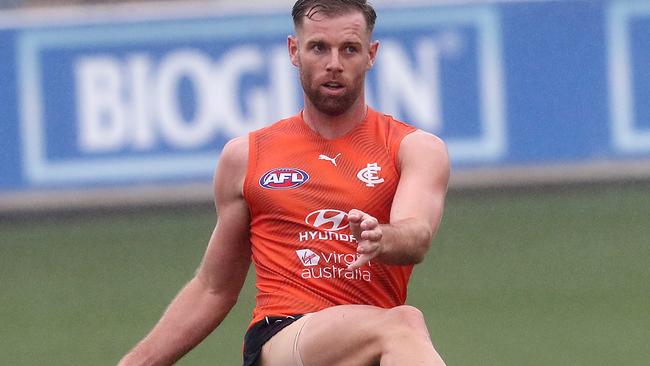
[{"x": 121, "y": 102}]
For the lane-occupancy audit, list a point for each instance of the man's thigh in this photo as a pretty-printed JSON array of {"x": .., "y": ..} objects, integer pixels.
[
  {"x": 343, "y": 335},
  {"x": 340, "y": 335}
]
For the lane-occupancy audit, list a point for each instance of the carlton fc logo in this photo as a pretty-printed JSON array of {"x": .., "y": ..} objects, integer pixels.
[
  {"x": 369, "y": 176},
  {"x": 284, "y": 178}
]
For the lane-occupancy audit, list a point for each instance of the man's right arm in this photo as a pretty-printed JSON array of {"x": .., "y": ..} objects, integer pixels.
[{"x": 206, "y": 300}]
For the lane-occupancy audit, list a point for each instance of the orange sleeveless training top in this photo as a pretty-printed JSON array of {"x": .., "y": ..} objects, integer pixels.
[{"x": 299, "y": 188}]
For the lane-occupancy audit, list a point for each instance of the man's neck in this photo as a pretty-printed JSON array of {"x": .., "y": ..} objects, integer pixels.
[{"x": 331, "y": 127}]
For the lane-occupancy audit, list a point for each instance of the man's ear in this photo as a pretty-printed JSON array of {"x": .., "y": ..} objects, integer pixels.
[
  {"x": 372, "y": 53},
  {"x": 292, "y": 46}
]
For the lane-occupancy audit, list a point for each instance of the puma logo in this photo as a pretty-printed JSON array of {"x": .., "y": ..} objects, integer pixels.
[{"x": 325, "y": 157}]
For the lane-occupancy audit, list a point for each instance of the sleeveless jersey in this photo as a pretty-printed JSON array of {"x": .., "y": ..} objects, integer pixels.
[{"x": 299, "y": 187}]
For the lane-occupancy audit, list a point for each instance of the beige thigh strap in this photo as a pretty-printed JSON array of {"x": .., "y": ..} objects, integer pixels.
[{"x": 282, "y": 349}]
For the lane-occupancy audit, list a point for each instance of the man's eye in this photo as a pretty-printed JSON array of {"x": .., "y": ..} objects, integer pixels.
[{"x": 350, "y": 49}]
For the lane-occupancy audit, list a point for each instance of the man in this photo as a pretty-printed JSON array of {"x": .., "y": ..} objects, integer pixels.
[{"x": 334, "y": 206}]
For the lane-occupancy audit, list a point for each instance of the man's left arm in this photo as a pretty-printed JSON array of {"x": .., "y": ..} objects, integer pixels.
[{"x": 417, "y": 207}]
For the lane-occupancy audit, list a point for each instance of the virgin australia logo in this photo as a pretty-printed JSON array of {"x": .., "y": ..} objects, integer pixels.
[{"x": 307, "y": 257}]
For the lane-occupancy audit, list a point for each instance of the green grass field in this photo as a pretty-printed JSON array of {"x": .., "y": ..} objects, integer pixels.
[{"x": 536, "y": 277}]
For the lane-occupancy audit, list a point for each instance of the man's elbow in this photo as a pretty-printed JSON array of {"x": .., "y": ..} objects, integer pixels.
[
  {"x": 420, "y": 253},
  {"x": 422, "y": 245},
  {"x": 226, "y": 297}
]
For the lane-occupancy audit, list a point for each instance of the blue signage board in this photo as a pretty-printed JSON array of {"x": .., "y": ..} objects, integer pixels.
[{"x": 122, "y": 102}]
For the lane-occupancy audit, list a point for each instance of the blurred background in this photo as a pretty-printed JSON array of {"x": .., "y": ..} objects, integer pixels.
[{"x": 113, "y": 115}]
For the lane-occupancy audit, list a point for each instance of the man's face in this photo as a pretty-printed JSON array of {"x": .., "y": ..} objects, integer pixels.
[{"x": 333, "y": 55}]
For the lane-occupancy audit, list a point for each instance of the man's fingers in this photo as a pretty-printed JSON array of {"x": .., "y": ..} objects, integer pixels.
[
  {"x": 367, "y": 247},
  {"x": 371, "y": 235},
  {"x": 355, "y": 219},
  {"x": 367, "y": 231},
  {"x": 355, "y": 216},
  {"x": 369, "y": 223},
  {"x": 362, "y": 260}
]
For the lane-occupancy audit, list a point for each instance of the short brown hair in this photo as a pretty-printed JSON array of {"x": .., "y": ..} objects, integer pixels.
[{"x": 309, "y": 8}]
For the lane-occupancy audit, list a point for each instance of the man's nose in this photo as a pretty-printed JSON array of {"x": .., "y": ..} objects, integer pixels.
[{"x": 334, "y": 63}]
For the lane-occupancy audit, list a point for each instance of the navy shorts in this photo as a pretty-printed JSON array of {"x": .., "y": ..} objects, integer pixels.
[{"x": 259, "y": 333}]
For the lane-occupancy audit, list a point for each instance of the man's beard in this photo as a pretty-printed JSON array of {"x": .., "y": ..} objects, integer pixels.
[{"x": 327, "y": 104}]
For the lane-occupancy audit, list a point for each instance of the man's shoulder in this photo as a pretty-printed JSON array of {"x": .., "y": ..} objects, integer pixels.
[
  {"x": 395, "y": 129},
  {"x": 235, "y": 151},
  {"x": 422, "y": 143},
  {"x": 279, "y": 125},
  {"x": 391, "y": 120},
  {"x": 428, "y": 139}
]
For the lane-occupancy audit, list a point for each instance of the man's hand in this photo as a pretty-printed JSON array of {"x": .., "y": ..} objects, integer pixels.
[{"x": 368, "y": 233}]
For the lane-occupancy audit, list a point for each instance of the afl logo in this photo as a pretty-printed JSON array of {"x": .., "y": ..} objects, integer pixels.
[{"x": 284, "y": 178}]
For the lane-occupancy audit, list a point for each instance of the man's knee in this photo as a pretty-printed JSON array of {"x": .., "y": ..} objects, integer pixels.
[
  {"x": 406, "y": 315},
  {"x": 406, "y": 321}
]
